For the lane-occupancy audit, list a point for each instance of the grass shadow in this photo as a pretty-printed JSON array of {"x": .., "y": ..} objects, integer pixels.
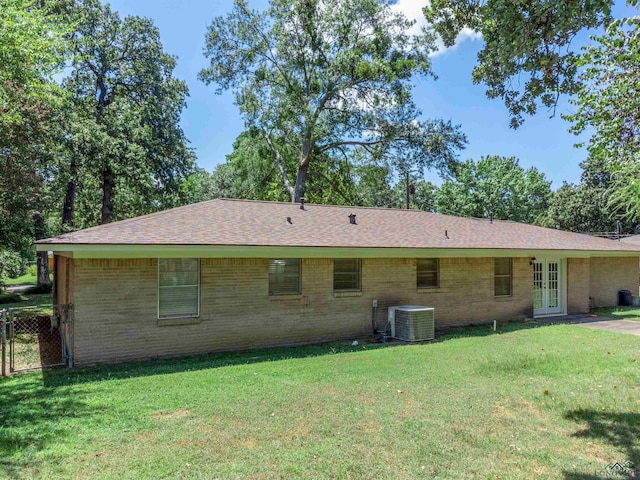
[
  {"x": 58, "y": 378},
  {"x": 162, "y": 366},
  {"x": 622, "y": 430},
  {"x": 485, "y": 330},
  {"x": 30, "y": 414}
]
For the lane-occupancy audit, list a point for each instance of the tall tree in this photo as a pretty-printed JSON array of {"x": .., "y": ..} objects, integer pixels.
[
  {"x": 589, "y": 207},
  {"x": 127, "y": 107},
  {"x": 31, "y": 50},
  {"x": 495, "y": 185},
  {"x": 321, "y": 78},
  {"x": 528, "y": 58},
  {"x": 373, "y": 184},
  {"x": 251, "y": 172},
  {"x": 609, "y": 107},
  {"x": 578, "y": 208},
  {"x": 422, "y": 194}
]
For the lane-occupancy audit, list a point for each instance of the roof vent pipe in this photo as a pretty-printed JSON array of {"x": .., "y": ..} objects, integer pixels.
[
  {"x": 301, "y": 203},
  {"x": 352, "y": 219},
  {"x": 490, "y": 217}
]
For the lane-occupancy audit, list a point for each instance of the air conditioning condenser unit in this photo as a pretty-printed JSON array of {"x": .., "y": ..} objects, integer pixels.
[{"x": 412, "y": 323}]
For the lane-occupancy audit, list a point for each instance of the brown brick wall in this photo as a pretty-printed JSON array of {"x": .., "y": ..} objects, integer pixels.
[
  {"x": 608, "y": 275},
  {"x": 116, "y": 304},
  {"x": 578, "y": 278},
  {"x": 465, "y": 294}
]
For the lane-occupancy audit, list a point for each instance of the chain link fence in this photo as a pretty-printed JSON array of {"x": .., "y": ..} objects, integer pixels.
[{"x": 34, "y": 340}]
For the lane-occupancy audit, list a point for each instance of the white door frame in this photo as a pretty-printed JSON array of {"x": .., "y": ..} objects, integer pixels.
[{"x": 545, "y": 310}]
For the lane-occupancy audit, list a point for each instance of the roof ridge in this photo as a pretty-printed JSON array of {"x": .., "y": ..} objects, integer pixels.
[{"x": 364, "y": 207}]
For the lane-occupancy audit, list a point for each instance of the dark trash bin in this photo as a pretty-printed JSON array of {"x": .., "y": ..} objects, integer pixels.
[{"x": 624, "y": 298}]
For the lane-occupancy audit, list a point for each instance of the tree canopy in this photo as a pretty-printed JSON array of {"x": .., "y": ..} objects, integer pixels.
[
  {"x": 102, "y": 136},
  {"x": 31, "y": 51},
  {"x": 32, "y": 47},
  {"x": 320, "y": 79},
  {"x": 589, "y": 207},
  {"x": 528, "y": 58},
  {"x": 498, "y": 186},
  {"x": 325, "y": 89},
  {"x": 123, "y": 135},
  {"x": 609, "y": 108}
]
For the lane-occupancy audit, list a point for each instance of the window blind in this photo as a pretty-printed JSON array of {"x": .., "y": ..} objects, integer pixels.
[{"x": 178, "y": 287}]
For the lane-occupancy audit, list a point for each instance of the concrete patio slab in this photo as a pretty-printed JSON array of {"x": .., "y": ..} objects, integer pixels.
[
  {"x": 620, "y": 326},
  {"x": 599, "y": 323}
]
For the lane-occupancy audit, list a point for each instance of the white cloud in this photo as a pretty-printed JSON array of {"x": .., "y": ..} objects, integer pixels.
[
  {"x": 465, "y": 35},
  {"x": 412, "y": 9}
]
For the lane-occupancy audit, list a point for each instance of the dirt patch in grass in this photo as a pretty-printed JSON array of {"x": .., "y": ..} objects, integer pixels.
[{"x": 185, "y": 412}]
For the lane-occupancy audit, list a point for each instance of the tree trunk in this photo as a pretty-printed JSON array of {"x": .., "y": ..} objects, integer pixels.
[
  {"x": 107, "y": 194},
  {"x": 42, "y": 257},
  {"x": 303, "y": 168},
  {"x": 301, "y": 183},
  {"x": 69, "y": 200},
  {"x": 67, "y": 209},
  {"x": 43, "y": 268}
]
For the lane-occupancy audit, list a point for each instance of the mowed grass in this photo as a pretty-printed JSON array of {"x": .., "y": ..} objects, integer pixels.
[
  {"x": 526, "y": 402},
  {"x": 43, "y": 303},
  {"x": 26, "y": 279},
  {"x": 620, "y": 313}
]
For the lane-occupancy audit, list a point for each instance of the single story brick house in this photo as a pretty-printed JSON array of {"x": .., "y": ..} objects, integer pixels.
[{"x": 234, "y": 274}]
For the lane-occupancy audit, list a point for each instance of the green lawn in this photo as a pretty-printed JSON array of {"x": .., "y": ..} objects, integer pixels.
[
  {"x": 26, "y": 279},
  {"x": 553, "y": 402},
  {"x": 43, "y": 302},
  {"x": 621, "y": 313}
]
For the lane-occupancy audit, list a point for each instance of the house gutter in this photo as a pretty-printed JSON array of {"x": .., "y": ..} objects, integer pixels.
[{"x": 258, "y": 251}]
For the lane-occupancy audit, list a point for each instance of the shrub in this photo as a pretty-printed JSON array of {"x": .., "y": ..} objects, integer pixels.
[
  {"x": 11, "y": 264},
  {"x": 32, "y": 270}
]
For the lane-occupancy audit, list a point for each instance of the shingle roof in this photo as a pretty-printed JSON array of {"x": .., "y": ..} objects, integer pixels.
[
  {"x": 245, "y": 223},
  {"x": 633, "y": 239}
]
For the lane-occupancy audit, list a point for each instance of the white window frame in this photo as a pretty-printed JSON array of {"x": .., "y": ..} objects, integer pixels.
[{"x": 165, "y": 261}]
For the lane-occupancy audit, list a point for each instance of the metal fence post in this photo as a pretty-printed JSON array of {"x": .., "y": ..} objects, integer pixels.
[
  {"x": 11, "y": 342},
  {"x": 69, "y": 329},
  {"x": 3, "y": 340}
]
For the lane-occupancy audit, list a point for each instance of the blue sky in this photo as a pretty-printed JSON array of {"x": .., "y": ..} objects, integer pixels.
[{"x": 212, "y": 122}]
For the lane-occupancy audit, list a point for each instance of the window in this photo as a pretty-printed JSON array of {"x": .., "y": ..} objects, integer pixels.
[
  {"x": 178, "y": 287},
  {"x": 428, "y": 269},
  {"x": 284, "y": 276},
  {"x": 502, "y": 276},
  {"x": 346, "y": 274}
]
